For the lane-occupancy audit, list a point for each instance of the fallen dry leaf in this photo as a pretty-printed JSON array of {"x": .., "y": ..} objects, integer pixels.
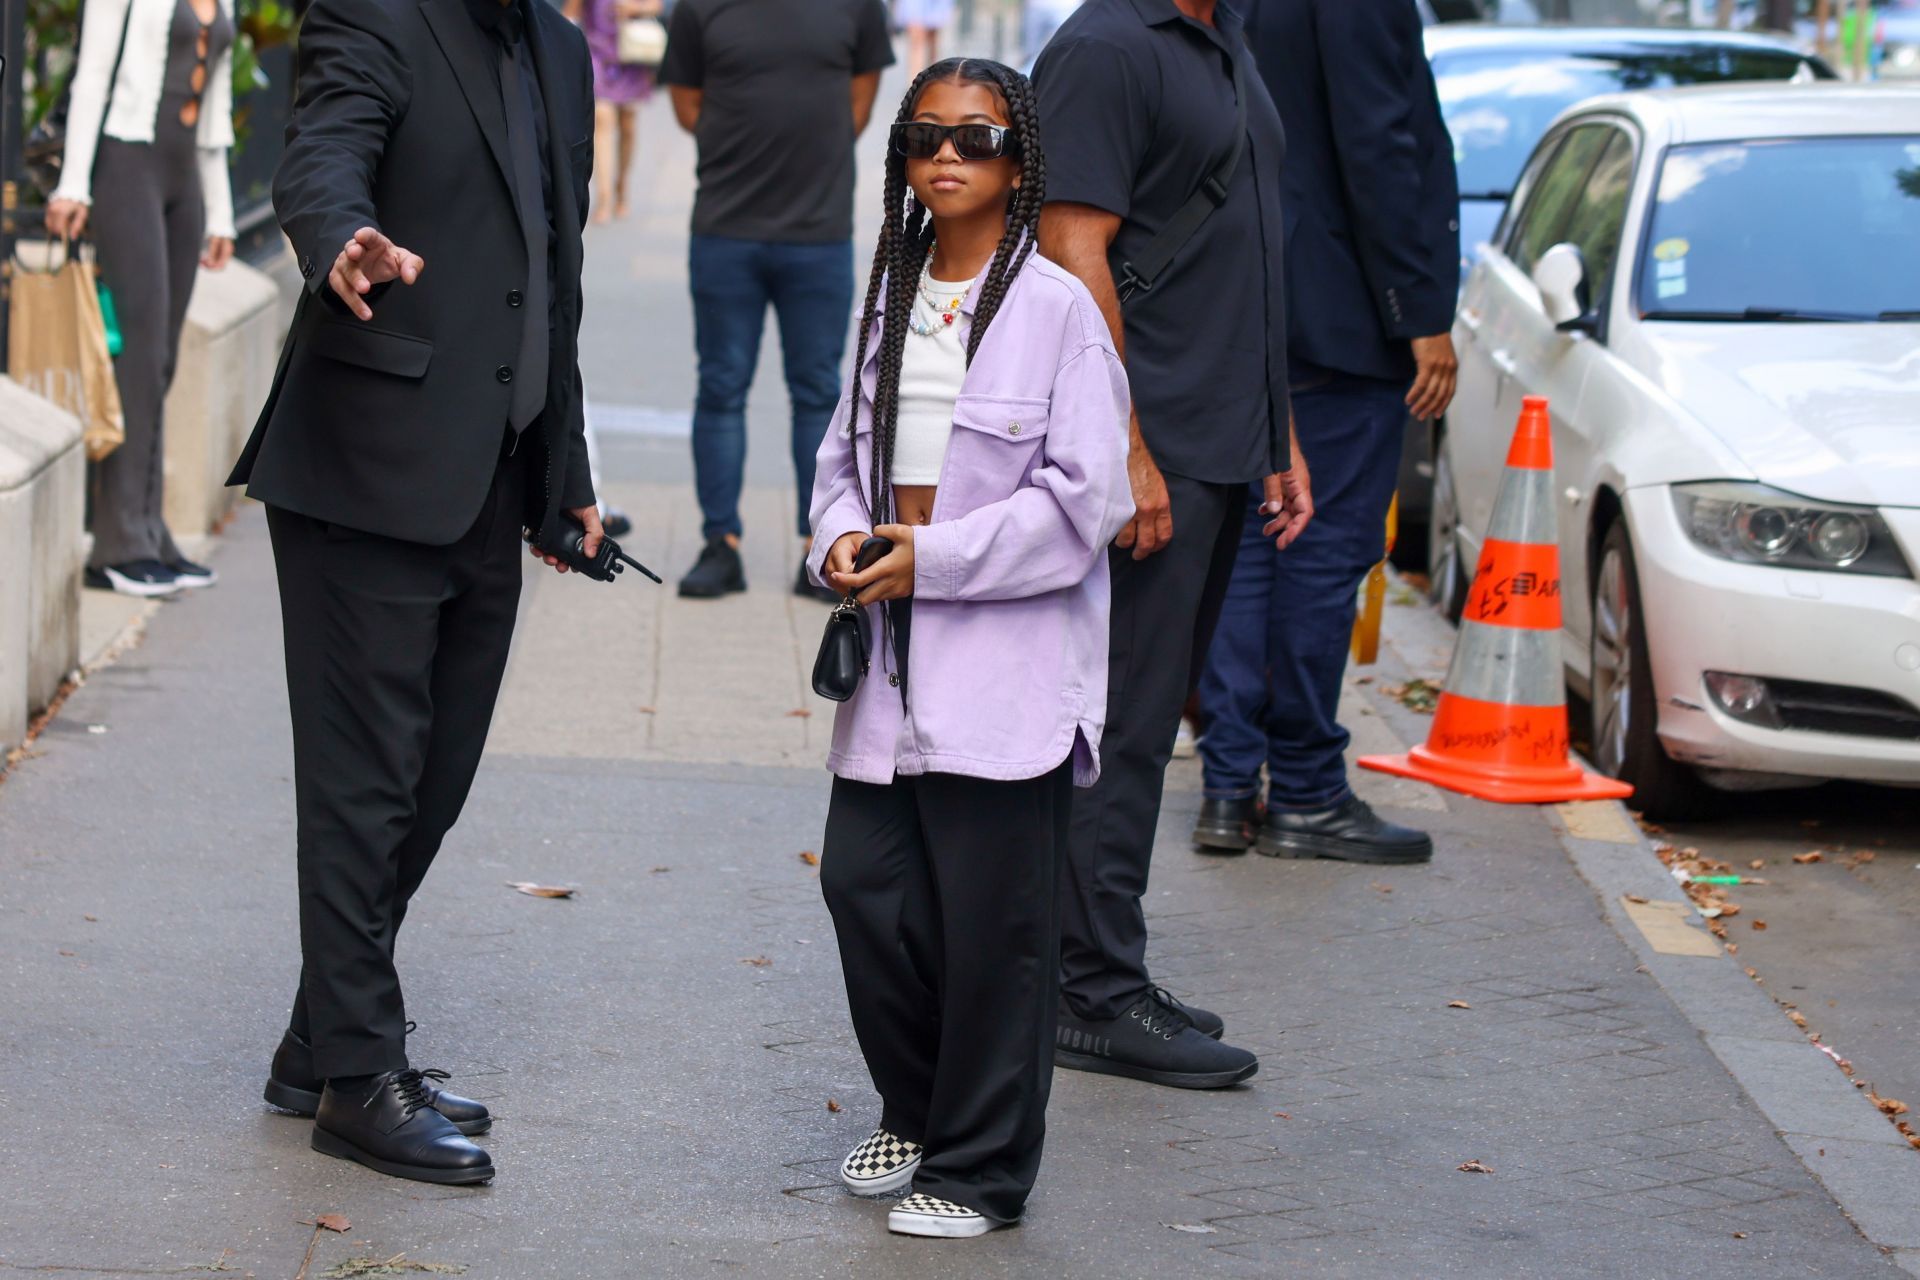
[
  {"x": 1458, "y": 1004},
  {"x": 1282, "y": 1115},
  {"x": 834, "y": 1107},
  {"x": 648, "y": 711},
  {"x": 1797, "y": 1018},
  {"x": 1383, "y": 888},
  {"x": 1759, "y": 926},
  {"x": 91, "y": 919},
  {"x": 66, "y": 953},
  {"x": 1733, "y": 948},
  {"x": 809, "y": 857},
  {"x": 799, "y": 713},
  {"x": 1739, "y": 1235},
  {"x": 1758, "y": 864},
  {"x": 1636, "y": 899},
  {"x": 333, "y": 1222},
  {"x": 1475, "y": 1166},
  {"x": 1811, "y": 855},
  {"x": 1888, "y": 1106},
  {"x": 533, "y": 890},
  {"x": 758, "y": 962},
  {"x": 660, "y": 871}
]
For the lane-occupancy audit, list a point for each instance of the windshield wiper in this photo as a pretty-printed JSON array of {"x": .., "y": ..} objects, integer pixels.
[
  {"x": 1899, "y": 315},
  {"x": 1766, "y": 314}
]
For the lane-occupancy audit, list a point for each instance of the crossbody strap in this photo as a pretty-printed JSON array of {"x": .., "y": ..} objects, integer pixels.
[{"x": 1140, "y": 273}]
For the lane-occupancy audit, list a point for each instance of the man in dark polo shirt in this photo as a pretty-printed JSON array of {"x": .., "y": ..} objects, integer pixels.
[
  {"x": 774, "y": 92},
  {"x": 1139, "y": 112}
]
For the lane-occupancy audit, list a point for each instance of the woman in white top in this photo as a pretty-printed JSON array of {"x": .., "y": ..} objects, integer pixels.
[{"x": 149, "y": 128}]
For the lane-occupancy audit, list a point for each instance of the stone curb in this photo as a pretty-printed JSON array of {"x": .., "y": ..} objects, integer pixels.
[{"x": 1866, "y": 1166}]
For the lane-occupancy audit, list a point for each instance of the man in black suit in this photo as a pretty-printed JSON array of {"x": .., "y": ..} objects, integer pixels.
[
  {"x": 413, "y": 436},
  {"x": 1372, "y": 245}
]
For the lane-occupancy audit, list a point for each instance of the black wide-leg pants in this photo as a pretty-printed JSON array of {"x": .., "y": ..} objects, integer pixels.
[
  {"x": 395, "y": 653},
  {"x": 944, "y": 894}
]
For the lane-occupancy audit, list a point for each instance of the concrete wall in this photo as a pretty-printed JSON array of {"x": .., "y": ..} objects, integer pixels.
[
  {"x": 235, "y": 324},
  {"x": 43, "y": 479}
]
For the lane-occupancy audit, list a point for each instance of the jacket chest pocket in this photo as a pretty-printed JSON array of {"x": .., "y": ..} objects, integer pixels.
[{"x": 997, "y": 443}]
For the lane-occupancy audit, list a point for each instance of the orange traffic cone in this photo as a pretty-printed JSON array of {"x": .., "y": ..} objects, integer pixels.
[{"x": 1500, "y": 732}]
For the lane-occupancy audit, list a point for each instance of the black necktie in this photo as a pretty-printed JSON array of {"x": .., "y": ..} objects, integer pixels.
[{"x": 530, "y": 373}]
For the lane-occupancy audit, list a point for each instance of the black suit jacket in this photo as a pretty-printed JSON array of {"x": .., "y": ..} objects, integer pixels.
[
  {"x": 395, "y": 425},
  {"x": 1372, "y": 201}
]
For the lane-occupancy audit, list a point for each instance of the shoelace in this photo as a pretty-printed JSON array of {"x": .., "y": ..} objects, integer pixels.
[
  {"x": 411, "y": 1088},
  {"x": 1161, "y": 1014}
]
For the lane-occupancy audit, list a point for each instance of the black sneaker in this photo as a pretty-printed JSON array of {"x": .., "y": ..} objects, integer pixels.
[
  {"x": 1349, "y": 831},
  {"x": 1154, "y": 1041},
  {"x": 1227, "y": 826},
  {"x": 146, "y": 578},
  {"x": 804, "y": 586},
  {"x": 191, "y": 575},
  {"x": 615, "y": 523},
  {"x": 717, "y": 572},
  {"x": 1205, "y": 1021}
]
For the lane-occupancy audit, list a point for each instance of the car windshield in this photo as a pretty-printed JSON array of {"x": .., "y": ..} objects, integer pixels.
[
  {"x": 1499, "y": 102},
  {"x": 1796, "y": 229}
]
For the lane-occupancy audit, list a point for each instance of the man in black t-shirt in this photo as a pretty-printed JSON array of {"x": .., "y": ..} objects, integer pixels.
[
  {"x": 774, "y": 92},
  {"x": 1138, "y": 111}
]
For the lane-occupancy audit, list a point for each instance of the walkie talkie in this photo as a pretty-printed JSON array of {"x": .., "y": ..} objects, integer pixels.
[{"x": 604, "y": 565}]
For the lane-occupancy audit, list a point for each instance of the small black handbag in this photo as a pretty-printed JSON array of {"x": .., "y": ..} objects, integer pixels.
[{"x": 846, "y": 650}]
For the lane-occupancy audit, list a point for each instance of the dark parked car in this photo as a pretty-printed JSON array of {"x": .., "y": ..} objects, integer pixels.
[{"x": 1501, "y": 87}]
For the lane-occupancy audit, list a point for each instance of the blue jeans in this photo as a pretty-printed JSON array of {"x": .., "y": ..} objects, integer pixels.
[
  {"x": 810, "y": 287},
  {"x": 1270, "y": 693}
]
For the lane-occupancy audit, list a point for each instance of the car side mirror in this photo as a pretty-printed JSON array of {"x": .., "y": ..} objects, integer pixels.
[{"x": 1561, "y": 277}]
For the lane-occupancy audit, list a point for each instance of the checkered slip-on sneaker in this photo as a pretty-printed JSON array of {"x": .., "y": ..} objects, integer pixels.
[
  {"x": 881, "y": 1165},
  {"x": 920, "y": 1215}
]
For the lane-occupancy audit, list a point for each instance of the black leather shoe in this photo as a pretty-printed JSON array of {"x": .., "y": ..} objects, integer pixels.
[
  {"x": 1350, "y": 831},
  {"x": 717, "y": 572},
  {"x": 1154, "y": 1041},
  {"x": 804, "y": 586},
  {"x": 615, "y": 523},
  {"x": 293, "y": 1086},
  {"x": 389, "y": 1127},
  {"x": 1227, "y": 826}
]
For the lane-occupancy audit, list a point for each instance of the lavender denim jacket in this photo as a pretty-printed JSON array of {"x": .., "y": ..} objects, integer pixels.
[{"x": 1009, "y": 656}]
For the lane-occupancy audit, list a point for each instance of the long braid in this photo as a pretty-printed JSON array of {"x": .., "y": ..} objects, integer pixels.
[{"x": 906, "y": 237}]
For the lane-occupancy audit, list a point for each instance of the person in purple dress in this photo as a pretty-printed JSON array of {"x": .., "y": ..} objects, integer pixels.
[{"x": 618, "y": 90}]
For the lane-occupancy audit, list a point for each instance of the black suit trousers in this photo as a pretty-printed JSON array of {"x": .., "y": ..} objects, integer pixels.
[
  {"x": 395, "y": 652},
  {"x": 1164, "y": 611}
]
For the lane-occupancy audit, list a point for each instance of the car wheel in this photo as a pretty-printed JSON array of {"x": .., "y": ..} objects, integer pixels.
[
  {"x": 1625, "y": 739},
  {"x": 1447, "y": 572}
]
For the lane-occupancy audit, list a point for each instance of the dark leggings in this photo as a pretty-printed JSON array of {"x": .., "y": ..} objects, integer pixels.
[
  {"x": 149, "y": 221},
  {"x": 944, "y": 894}
]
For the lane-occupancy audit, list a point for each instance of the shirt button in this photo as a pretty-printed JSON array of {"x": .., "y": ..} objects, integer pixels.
[
  {"x": 515, "y": 297},
  {"x": 1014, "y": 430},
  {"x": 893, "y": 678},
  {"x": 503, "y": 374}
]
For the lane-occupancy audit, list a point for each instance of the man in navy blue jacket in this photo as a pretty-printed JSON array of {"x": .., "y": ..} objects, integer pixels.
[{"x": 1372, "y": 243}]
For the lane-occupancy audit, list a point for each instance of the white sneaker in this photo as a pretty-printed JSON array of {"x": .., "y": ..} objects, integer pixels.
[
  {"x": 920, "y": 1215},
  {"x": 880, "y": 1166}
]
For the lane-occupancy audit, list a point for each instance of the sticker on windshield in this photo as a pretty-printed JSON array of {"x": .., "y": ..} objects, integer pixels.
[
  {"x": 1670, "y": 288},
  {"x": 1673, "y": 250},
  {"x": 1670, "y": 270}
]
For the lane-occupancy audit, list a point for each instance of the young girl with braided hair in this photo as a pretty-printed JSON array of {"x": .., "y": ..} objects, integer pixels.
[{"x": 985, "y": 435}]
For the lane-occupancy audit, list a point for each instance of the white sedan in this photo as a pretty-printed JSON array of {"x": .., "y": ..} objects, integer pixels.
[{"x": 1719, "y": 290}]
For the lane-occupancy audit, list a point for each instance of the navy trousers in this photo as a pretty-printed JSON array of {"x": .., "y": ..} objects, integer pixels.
[{"x": 1270, "y": 692}]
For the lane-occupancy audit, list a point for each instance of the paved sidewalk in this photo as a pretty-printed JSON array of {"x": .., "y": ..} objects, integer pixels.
[{"x": 662, "y": 1050}]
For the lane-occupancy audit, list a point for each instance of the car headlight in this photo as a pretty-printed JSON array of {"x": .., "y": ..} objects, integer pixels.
[{"x": 1754, "y": 524}]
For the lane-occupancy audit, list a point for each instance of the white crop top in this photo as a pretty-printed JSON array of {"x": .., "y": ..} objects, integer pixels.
[{"x": 932, "y": 367}]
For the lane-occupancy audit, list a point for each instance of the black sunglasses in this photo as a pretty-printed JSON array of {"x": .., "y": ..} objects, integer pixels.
[{"x": 919, "y": 140}]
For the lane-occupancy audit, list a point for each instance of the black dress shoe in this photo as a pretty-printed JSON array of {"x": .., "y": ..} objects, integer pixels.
[
  {"x": 717, "y": 572},
  {"x": 293, "y": 1086},
  {"x": 1154, "y": 1041},
  {"x": 1227, "y": 826},
  {"x": 1349, "y": 831},
  {"x": 805, "y": 587},
  {"x": 615, "y": 523},
  {"x": 389, "y": 1127}
]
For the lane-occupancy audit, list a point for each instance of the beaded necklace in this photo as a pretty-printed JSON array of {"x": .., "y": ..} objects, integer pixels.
[{"x": 944, "y": 307}]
